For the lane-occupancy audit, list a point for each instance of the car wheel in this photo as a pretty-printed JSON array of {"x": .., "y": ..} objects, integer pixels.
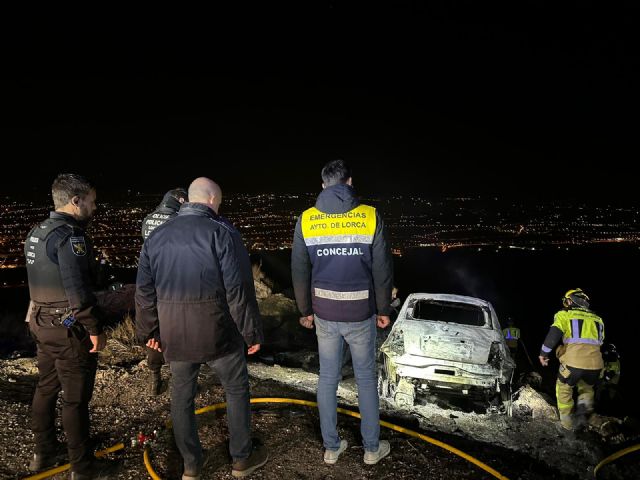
[
  {"x": 405, "y": 394},
  {"x": 403, "y": 400}
]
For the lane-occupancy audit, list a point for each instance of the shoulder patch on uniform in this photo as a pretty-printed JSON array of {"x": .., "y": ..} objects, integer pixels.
[{"x": 78, "y": 246}]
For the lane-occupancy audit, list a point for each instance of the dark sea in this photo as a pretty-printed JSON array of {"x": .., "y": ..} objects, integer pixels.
[{"x": 526, "y": 285}]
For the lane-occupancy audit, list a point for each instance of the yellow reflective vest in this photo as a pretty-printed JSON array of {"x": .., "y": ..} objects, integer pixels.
[
  {"x": 582, "y": 335},
  {"x": 339, "y": 246}
]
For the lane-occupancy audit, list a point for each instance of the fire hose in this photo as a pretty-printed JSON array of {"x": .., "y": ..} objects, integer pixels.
[{"x": 147, "y": 461}]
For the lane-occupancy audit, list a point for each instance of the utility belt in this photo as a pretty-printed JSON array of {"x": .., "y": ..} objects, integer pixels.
[
  {"x": 54, "y": 316},
  {"x": 52, "y": 310}
]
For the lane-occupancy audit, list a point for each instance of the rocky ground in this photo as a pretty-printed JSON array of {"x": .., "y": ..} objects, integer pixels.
[{"x": 529, "y": 445}]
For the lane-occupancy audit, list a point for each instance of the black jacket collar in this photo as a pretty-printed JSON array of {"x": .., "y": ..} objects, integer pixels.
[
  {"x": 201, "y": 209},
  {"x": 70, "y": 219}
]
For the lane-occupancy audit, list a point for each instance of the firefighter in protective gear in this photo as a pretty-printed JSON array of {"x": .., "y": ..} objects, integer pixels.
[
  {"x": 512, "y": 337},
  {"x": 611, "y": 359},
  {"x": 607, "y": 395},
  {"x": 581, "y": 332}
]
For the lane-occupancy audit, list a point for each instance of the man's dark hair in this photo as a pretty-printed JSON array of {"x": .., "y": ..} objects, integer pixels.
[
  {"x": 172, "y": 199},
  {"x": 335, "y": 172},
  {"x": 179, "y": 193},
  {"x": 68, "y": 185}
]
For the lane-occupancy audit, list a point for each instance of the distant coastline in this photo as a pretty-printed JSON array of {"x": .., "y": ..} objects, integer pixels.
[{"x": 267, "y": 221}]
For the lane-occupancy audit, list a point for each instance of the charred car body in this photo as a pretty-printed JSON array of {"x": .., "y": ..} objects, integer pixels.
[{"x": 446, "y": 343}]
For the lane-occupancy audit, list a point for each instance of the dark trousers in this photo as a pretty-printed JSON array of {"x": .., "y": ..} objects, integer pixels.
[
  {"x": 155, "y": 359},
  {"x": 64, "y": 363},
  {"x": 232, "y": 371}
]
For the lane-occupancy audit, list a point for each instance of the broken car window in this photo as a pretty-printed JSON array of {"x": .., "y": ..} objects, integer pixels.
[{"x": 463, "y": 314}]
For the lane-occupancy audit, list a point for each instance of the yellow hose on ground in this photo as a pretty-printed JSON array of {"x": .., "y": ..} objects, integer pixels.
[
  {"x": 147, "y": 463},
  {"x": 397, "y": 428},
  {"x": 62, "y": 468},
  {"x": 216, "y": 406},
  {"x": 615, "y": 456}
]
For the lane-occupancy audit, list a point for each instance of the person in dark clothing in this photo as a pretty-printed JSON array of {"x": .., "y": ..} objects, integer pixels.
[
  {"x": 65, "y": 321},
  {"x": 203, "y": 311},
  {"x": 168, "y": 208},
  {"x": 342, "y": 273}
]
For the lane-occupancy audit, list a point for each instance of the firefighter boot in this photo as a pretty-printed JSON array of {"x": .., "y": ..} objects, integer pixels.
[{"x": 566, "y": 420}]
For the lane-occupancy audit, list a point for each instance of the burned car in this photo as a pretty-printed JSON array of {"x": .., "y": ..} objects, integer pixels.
[{"x": 446, "y": 343}]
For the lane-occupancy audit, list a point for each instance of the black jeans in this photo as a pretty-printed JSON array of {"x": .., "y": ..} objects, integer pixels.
[
  {"x": 64, "y": 363},
  {"x": 232, "y": 371}
]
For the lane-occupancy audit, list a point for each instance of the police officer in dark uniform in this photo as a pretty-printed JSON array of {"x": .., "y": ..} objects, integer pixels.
[
  {"x": 66, "y": 324},
  {"x": 167, "y": 209}
]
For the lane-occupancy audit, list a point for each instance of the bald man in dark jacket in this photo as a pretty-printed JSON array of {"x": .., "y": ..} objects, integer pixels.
[{"x": 196, "y": 302}]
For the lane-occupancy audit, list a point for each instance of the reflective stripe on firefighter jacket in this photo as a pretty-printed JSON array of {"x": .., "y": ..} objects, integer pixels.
[
  {"x": 511, "y": 335},
  {"x": 339, "y": 246}
]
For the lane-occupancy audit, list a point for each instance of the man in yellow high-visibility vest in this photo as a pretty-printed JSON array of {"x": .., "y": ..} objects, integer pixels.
[{"x": 342, "y": 272}]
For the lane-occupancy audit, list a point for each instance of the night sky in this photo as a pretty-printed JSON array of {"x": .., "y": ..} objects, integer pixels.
[{"x": 437, "y": 98}]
